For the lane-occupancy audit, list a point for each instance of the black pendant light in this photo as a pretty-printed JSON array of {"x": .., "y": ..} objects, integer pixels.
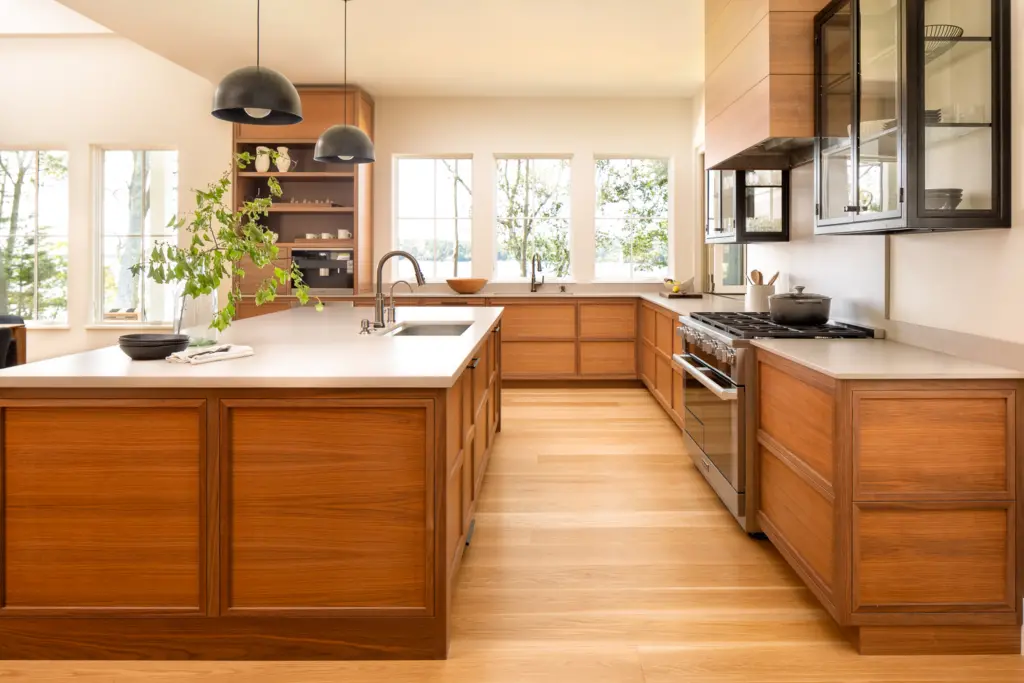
[
  {"x": 344, "y": 143},
  {"x": 257, "y": 95}
]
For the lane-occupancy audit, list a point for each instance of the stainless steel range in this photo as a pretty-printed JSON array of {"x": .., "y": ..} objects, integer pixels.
[{"x": 719, "y": 394}]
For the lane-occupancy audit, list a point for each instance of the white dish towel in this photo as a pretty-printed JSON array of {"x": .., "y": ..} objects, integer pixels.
[{"x": 210, "y": 354}]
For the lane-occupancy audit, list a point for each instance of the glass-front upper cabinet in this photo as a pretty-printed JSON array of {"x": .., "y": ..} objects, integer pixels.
[
  {"x": 912, "y": 115},
  {"x": 747, "y": 206}
]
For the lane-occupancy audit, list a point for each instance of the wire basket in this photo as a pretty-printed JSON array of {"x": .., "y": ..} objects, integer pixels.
[{"x": 939, "y": 39}]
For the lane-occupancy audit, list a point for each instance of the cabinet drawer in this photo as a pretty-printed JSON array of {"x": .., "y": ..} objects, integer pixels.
[
  {"x": 607, "y": 321},
  {"x": 608, "y": 358},
  {"x": 538, "y": 359},
  {"x": 451, "y": 301},
  {"x": 253, "y": 277},
  {"x": 249, "y": 309},
  {"x": 539, "y": 321}
]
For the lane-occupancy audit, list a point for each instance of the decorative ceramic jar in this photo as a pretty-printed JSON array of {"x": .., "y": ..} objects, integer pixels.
[
  {"x": 284, "y": 160},
  {"x": 262, "y": 159}
]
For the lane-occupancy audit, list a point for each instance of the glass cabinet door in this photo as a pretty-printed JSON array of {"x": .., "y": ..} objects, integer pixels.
[
  {"x": 763, "y": 202},
  {"x": 957, "y": 158},
  {"x": 714, "y": 203},
  {"x": 728, "y": 215},
  {"x": 878, "y": 106},
  {"x": 835, "y": 111}
]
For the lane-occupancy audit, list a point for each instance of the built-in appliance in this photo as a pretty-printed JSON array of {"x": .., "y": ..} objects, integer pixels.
[
  {"x": 326, "y": 271},
  {"x": 719, "y": 394}
]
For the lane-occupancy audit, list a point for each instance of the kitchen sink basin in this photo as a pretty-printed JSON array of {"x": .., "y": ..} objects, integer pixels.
[{"x": 429, "y": 330}]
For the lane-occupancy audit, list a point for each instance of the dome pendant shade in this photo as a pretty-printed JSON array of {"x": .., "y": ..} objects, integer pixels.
[
  {"x": 258, "y": 90},
  {"x": 344, "y": 144}
]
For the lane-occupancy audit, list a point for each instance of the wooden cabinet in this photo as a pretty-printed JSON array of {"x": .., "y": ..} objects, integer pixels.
[
  {"x": 251, "y": 277},
  {"x": 759, "y": 79},
  {"x": 747, "y": 207},
  {"x": 608, "y": 359},
  {"x": 657, "y": 371},
  {"x": 896, "y": 502},
  {"x": 538, "y": 321},
  {"x": 538, "y": 360},
  {"x": 321, "y": 108},
  {"x": 247, "y": 308},
  {"x": 608, "y": 321}
]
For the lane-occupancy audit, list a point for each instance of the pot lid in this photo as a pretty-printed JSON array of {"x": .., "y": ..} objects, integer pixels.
[{"x": 798, "y": 293}]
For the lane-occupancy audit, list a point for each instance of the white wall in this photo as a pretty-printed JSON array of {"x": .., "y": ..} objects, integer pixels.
[
  {"x": 579, "y": 127},
  {"x": 848, "y": 268},
  {"x": 74, "y": 93}
]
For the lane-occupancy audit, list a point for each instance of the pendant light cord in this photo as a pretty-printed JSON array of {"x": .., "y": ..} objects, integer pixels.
[
  {"x": 346, "y": 62},
  {"x": 257, "y": 35}
]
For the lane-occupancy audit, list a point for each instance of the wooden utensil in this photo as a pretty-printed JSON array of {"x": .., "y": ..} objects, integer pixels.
[
  {"x": 774, "y": 278},
  {"x": 749, "y": 280},
  {"x": 757, "y": 277}
]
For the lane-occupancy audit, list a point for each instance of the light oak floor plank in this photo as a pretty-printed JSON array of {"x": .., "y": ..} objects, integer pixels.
[{"x": 600, "y": 556}]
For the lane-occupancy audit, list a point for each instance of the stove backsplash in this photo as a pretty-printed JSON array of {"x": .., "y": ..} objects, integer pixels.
[{"x": 849, "y": 268}]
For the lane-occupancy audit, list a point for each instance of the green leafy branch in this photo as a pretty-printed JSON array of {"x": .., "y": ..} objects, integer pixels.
[{"x": 220, "y": 238}]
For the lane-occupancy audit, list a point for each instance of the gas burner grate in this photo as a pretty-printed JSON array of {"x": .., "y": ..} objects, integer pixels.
[{"x": 760, "y": 325}]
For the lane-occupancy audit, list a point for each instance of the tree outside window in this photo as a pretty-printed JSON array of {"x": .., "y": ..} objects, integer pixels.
[
  {"x": 532, "y": 216},
  {"x": 139, "y": 199},
  {"x": 34, "y": 234},
  {"x": 434, "y": 216},
  {"x": 631, "y": 231}
]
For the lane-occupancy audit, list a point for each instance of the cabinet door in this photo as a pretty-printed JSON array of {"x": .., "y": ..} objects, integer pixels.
[
  {"x": 648, "y": 321},
  {"x": 713, "y": 226},
  {"x": 248, "y": 308},
  {"x": 727, "y": 219},
  {"x": 836, "y": 81}
]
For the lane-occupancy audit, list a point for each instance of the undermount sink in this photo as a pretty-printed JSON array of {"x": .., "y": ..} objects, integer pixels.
[{"x": 429, "y": 329}]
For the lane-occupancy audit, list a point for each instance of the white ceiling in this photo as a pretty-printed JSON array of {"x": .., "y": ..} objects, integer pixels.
[
  {"x": 43, "y": 17},
  {"x": 433, "y": 47}
]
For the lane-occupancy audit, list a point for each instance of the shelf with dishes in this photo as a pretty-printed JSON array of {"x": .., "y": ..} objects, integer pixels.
[{"x": 300, "y": 175}]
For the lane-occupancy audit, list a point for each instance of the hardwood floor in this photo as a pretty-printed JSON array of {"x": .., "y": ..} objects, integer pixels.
[{"x": 600, "y": 556}]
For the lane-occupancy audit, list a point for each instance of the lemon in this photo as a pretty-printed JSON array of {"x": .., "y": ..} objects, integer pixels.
[{"x": 675, "y": 289}]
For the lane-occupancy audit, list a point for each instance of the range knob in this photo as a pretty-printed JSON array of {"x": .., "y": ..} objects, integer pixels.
[
  {"x": 689, "y": 334},
  {"x": 725, "y": 354}
]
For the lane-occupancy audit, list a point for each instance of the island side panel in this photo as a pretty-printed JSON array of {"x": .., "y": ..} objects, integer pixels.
[
  {"x": 328, "y": 507},
  {"x": 103, "y": 507}
]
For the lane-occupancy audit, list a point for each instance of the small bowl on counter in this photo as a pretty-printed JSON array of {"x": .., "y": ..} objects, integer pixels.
[
  {"x": 467, "y": 285},
  {"x": 152, "y": 346}
]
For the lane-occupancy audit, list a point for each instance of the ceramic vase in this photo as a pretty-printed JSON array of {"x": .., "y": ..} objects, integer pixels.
[
  {"x": 262, "y": 159},
  {"x": 284, "y": 160}
]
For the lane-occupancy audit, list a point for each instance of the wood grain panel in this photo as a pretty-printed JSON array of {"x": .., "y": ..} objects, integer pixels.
[
  {"x": 608, "y": 358},
  {"x": 321, "y": 109},
  {"x": 933, "y": 557},
  {"x": 481, "y": 441},
  {"x": 647, "y": 367},
  {"x": 933, "y": 444},
  {"x": 331, "y": 512},
  {"x": 648, "y": 323},
  {"x": 454, "y": 540},
  {"x": 665, "y": 332},
  {"x": 537, "y": 359},
  {"x": 800, "y": 514},
  {"x": 253, "y": 277},
  {"x": 746, "y": 123},
  {"x": 725, "y": 29},
  {"x": 798, "y": 416},
  {"x": 663, "y": 379},
  {"x": 744, "y": 67},
  {"x": 248, "y": 308},
  {"x": 791, "y": 106},
  {"x": 539, "y": 321},
  {"x": 939, "y": 640},
  {"x": 455, "y": 429},
  {"x": 812, "y": 6},
  {"x": 103, "y": 505},
  {"x": 608, "y": 320},
  {"x": 678, "y": 397},
  {"x": 791, "y": 43}
]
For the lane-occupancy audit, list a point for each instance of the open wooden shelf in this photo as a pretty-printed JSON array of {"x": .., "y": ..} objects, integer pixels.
[
  {"x": 319, "y": 244},
  {"x": 299, "y": 175},
  {"x": 285, "y": 207}
]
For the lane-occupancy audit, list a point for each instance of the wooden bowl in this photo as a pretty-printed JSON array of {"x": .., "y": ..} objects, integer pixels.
[{"x": 467, "y": 285}]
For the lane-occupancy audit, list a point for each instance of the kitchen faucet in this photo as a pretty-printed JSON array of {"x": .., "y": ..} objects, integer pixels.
[
  {"x": 534, "y": 269},
  {"x": 378, "y": 304}
]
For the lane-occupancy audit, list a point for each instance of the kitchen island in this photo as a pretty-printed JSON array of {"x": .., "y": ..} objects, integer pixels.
[{"x": 309, "y": 502}]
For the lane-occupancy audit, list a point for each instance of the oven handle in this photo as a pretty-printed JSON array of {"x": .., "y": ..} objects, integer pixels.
[{"x": 693, "y": 371}]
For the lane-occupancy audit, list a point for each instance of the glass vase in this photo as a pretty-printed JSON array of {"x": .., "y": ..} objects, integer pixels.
[{"x": 194, "y": 316}]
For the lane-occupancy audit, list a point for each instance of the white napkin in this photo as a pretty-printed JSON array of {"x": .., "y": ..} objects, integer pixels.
[{"x": 210, "y": 354}]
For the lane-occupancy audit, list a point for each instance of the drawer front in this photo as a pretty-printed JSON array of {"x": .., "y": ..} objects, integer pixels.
[
  {"x": 538, "y": 359},
  {"x": 665, "y": 332},
  {"x": 648, "y": 321},
  {"x": 608, "y": 358},
  {"x": 607, "y": 321},
  {"x": 539, "y": 321}
]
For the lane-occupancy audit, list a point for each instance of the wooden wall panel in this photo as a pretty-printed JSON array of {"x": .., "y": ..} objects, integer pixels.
[
  {"x": 608, "y": 358},
  {"x": 791, "y": 106},
  {"x": 539, "y": 321},
  {"x": 331, "y": 509},
  {"x": 791, "y": 36},
  {"x": 725, "y": 28},
  {"x": 608, "y": 321},
  {"x": 744, "y": 67},
  {"x": 103, "y": 505},
  {"x": 800, "y": 514},
  {"x": 537, "y": 359},
  {"x": 321, "y": 109},
  {"x": 799, "y": 417},
  {"x": 933, "y": 557},
  {"x": 941, "y": 445},
  {"x": 745, "y": 124}
]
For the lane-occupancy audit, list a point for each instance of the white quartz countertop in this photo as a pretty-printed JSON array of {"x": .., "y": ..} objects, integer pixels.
[
  {"x": 298, "y": 348},
  {"x": 866, "y": 359}
]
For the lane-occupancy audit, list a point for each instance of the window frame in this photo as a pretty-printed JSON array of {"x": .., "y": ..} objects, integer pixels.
[
  {"x": 397, "y": 217},
  {"x": 33, "y": 322},
  {"x": 98, "y": 233},
  {"x": 649, "y": 279},
  {"x": 566, "y": 157}
]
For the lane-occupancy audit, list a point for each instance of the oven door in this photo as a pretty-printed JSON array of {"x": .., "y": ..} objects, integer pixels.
[{"x": 713, "y": 418}]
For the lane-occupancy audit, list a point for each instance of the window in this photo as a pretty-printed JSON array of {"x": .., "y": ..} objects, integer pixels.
[
  {"x": 34, "y": 234},
  {"x": 139, "y": 199},
  {"x": 631, "y": 230},
  {"x": 533, "y": 217},
  {"x": 433, "y": 223},
  {"x": 725, "y": 266}
]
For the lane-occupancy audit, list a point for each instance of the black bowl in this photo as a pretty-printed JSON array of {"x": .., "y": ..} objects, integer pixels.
[{"x": 152, "y": 346}]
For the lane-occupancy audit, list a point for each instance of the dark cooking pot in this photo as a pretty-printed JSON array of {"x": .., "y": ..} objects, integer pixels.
[{"x": 798, "y": 309}]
